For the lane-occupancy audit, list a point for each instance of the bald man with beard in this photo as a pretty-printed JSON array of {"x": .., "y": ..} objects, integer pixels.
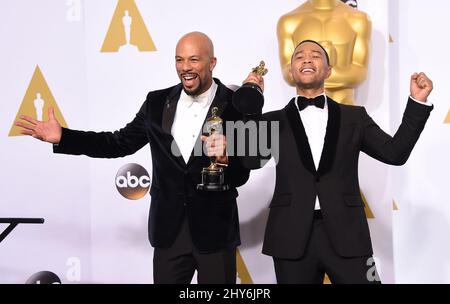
[{"x": 190, "y": 229}]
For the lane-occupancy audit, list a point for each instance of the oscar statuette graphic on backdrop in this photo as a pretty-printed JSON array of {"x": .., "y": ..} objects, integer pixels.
[
  {"x": 127, "y": 31},
  {"x": 36, "y": 102}
]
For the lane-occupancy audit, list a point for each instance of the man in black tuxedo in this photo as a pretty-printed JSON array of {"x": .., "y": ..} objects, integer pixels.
[
  {"x": 317, "y": 222},
  {"x": 190, "y": 229}
]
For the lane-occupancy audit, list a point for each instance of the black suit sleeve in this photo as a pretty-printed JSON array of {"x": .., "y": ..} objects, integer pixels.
[
  {"x": 236, "y": 174},
  {"x": 254, "y": 138},
  {"x": 395, "y": 150},
  {"x": 121, "y": 143}
]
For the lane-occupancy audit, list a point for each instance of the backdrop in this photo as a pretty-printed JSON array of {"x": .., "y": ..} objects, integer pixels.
[{"x": 80, "y": 58}]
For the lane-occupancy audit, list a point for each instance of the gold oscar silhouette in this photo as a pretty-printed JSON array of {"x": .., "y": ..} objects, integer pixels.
[
  {"x": 342, "y": 30},
  {"x": 213, "y": 176}
]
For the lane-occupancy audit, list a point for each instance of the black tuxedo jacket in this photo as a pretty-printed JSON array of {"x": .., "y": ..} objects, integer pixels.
[
  {"x": 212, "y": 216},
  {"x": 350, "y": 131}
]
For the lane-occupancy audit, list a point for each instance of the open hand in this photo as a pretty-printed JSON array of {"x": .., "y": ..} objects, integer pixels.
[{"x": 48, "y": 131}]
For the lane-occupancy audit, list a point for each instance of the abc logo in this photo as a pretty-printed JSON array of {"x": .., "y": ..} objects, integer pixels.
[{"x": 132, "y": 181}]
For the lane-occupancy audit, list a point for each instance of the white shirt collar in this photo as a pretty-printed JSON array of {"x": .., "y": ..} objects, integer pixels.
[{"x": 204, "y": 100}]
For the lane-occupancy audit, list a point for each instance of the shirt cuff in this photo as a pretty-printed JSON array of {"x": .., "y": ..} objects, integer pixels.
[{"x": 426, "y": 103}]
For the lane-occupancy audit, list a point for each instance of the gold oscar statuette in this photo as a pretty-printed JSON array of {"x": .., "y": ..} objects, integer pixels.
[
  {"x": 261, "y": 69},
  {"x": 213, "y": 176},
  {"x": 252, "y": 92}
]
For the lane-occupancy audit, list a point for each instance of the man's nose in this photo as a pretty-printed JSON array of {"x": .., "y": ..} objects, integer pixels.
[
  {"x": 307, "y": 60},
  {"x": 186, "y": 66}
]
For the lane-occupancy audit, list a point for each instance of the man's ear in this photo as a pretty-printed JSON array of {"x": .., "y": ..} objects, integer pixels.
[
  {"x": 330, "y": 69},
  {"x": 213, "y": 63},
  {"x": 290, "y": 72}
]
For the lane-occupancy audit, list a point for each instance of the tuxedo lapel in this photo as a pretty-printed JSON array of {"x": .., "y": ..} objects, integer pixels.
[
  {"x": 331, "y": 138},
  {"x": 168, "y": 117},
  {"x": 170, "y": 108},
  {"x": 300, "y": 137}
]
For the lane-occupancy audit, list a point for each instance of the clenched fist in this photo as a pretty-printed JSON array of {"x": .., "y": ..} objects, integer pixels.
[{"x": 421, "y": 87}]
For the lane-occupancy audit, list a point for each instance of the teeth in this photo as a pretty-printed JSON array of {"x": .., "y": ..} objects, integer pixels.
[
  {"x": 307, "y": 70},
  {"x": 190, "y": 77}
]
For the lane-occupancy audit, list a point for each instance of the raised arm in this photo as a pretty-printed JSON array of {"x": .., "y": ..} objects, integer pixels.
[
  {"x": 397, "y": 149},
  {"x": 255, "y": 131}
]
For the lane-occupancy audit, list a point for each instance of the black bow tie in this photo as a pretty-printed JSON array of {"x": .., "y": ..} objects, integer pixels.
[{"x": 304, "y": 102}]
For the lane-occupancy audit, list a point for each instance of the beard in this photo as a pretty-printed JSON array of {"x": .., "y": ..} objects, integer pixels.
[{"x": 196, "y": 91}]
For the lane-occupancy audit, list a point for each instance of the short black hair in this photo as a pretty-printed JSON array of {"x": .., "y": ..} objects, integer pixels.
[{"x": 317, "y": 43}]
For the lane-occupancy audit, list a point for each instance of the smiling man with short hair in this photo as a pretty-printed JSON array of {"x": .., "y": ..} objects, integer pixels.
[{"x": 317, "y": 222}]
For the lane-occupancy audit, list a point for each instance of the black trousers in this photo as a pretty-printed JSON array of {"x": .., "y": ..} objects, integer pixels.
[
  {"x": 177, "y": 264},
  {"x": 320, "y": 258}
]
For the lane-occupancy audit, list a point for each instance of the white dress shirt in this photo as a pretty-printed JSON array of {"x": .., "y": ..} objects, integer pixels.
[
  {"x": 315, "y": 121},
  {"x": 189, "y": 117}
]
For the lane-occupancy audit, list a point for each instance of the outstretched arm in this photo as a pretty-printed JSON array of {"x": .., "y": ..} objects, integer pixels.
[{"x": 99, "y": 145}]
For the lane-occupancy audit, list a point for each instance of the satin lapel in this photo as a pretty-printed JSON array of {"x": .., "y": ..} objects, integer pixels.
[
  {"x": 331, "y": 138},
  {"x": 168, "y": 116},
  {"x": 300, "y": 137},
  {"x": 170, "y": 108}
]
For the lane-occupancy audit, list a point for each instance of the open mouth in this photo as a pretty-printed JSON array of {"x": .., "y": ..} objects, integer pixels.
[
  {"x": 307, "y": 71},
  {"x": 189, "y": 79}
]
